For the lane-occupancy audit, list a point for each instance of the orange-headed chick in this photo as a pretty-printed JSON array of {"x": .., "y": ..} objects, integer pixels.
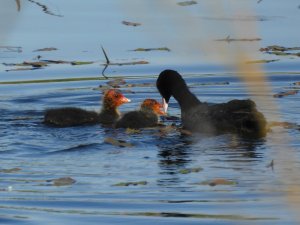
[
  {"x": 147, "y": 116},
  {"x": 73, "y": 116}
]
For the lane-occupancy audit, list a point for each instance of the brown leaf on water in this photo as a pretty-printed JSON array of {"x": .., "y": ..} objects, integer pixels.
[
  {"x": 262, "y": 61},
  {"x": 46, "y": 49},
  {"x": 116, "y": 83},
  {"x": 218, "y": 181},
  {"x": 63, "y": 181},
  {"x": 190, "y": 170},
  {"x": 119, "y": 143},
  {"x": 126, "y": 184},
  {"x": 129, "y": 63},
  {"x": 186, "y": 3},
  {"x": 151, "y": 49},
  {"x": 127, "y": 23},
  {"x": 285, "y": 93},
  {"x": 12, "y": 170},
  {"x": 132, "y": 131},
  {"x": 79, "y": 63},
  {"x": 49, "y": 61},
  {"x": 229, "y": 39}
]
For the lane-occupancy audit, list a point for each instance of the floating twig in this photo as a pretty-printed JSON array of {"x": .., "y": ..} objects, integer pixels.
[
  {"x": 229, "y": 39},
  {"x": 44, "y": 8}
]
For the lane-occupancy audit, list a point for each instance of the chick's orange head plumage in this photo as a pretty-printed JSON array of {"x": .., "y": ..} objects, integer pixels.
[
  {"x": 115, "y": 98},
  {"x": 153, "y": 105}
]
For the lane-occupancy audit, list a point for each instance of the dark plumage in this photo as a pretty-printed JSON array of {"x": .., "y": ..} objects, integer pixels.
[
  {"x": 236, "y": 116},
  {"x": 147, "y": 116},
  {"x": 72, "y": 116}
]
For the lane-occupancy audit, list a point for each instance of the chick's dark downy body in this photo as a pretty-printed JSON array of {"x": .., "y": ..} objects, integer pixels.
[
  {"x": 147, "y": 116},
  {"x": 73, "y": 116}
]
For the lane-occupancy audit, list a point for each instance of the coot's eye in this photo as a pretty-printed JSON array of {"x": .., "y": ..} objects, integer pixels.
[{"x": 116, "y": 95}]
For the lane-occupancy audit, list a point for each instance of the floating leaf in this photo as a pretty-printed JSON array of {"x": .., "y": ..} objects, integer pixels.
[
  {"x": 63, "y": 181},
  {"x": 229, "y": 39},
  {"x": 190, "y": 170},
  {"x": 132, "y": 131},
  {"x": 129, "y": 63},
  {"x": 262, "y": 61},
  {"x": 285, "y": 93},
  {"x": 126, "y": 184},
  {"x": 151, "y": 49},
  {"x": 12, "y": 170},
  {"x": 115, "y": 142},
  {"x": 49, "y": 61},
  {"x": 116, "y": 82},
  {"x": 131, "y": 23},
  {"x": 79, "y": 63},
  {"x": 46, "y": 49},
  {"x": 218, "y": 181},
  {"x": 186, "y": 3}
]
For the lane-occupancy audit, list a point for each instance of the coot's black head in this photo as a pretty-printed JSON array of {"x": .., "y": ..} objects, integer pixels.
[{"x": 168, "y": 83}]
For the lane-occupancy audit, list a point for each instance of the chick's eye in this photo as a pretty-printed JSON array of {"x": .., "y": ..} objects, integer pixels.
[{"x": 116, "y": 95}]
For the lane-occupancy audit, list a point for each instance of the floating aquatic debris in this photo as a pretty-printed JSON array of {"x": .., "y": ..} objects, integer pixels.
[
  {"x": 126, "y": 184},
  {"x": 131, "y": 23},
  {"x": 79, "y": 63},
  {"x": 151, "y": 49},
  {"x": 271, "y": 165},
  {"x": 262, "y": 61},
  {"x": 108, "y": 63},
  {"x": 132, "y": 131},
  {"x": 281, "y": 50},
  {"x": 12, "y": 170},
  {"x": 190, "y": 170},
  {"x": 12, "y": 48},
  {"x": 186, "y": 3},
  {"x": 116, "y": 142},
  {"x": 277, "y": 48},
  {"x": 45, "y": 8},
  {"x": 285, "y": 93},
  {"x": 116, "y": 83},
  {"x": 45, "y": 49},
  {"x": 218, "y": 181},
  {"x": 229, "y": 39},
  {"x": 63, "y": 181},
  {"x": 50, "y": 61}
]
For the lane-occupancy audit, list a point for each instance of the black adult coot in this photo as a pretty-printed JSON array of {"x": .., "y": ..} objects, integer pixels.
[
  {"x": 236, "y": 116},
  {"x": 72, "y": 116},
  {"x": 147, "y": 116}
]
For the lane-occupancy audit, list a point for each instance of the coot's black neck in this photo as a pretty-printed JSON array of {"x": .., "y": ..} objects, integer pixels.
[{"x": 185, "y": 98}]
